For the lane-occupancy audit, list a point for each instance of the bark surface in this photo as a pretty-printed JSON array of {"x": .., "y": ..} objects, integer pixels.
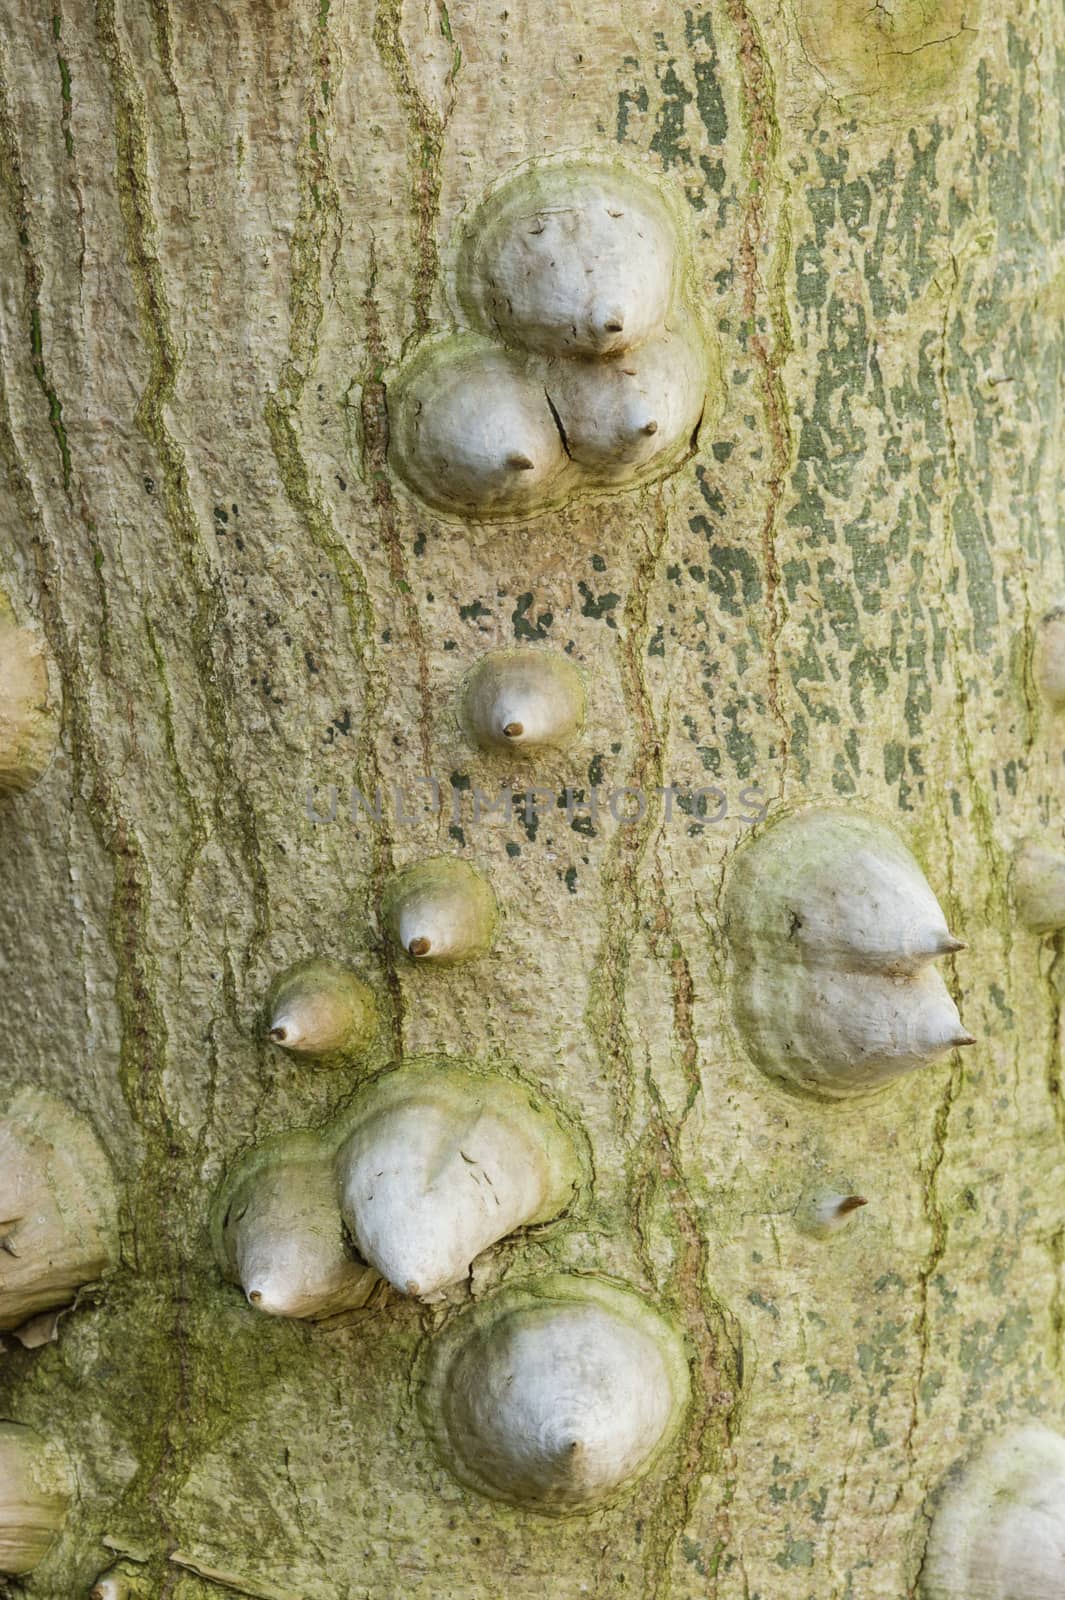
[{"x": 222, "y": 227}]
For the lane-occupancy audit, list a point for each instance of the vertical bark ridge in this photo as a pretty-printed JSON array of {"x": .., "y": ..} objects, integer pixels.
[
  {"x": 425, "y": 133},
  {"x": 758, "y": 240},
  {"x": 31, "y": 270},
  {"x": 374, "y": 418},
  {"x": 164, "y": 44},
  {"x": 156, "y": 1188},
  {"x": 320, "y": 214},
  {"x": 233, "y": 809},
  {"x": 938, "y": 1222},
  {"x": 624, "y": 855},
  {"x": 714, "y": 1333}
]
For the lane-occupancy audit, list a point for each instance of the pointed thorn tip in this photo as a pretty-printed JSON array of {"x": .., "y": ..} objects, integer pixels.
[
  {"x": 419, "y": 947},
  {"x": 650, "y": 427},
  {"x": 520, "y": 463},
  {"x": 851, "y": 1203},
  {"x": 514, "y": 730}
]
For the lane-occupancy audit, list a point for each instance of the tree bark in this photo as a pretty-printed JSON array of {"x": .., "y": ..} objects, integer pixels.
[{"x": 223, "y": 228}]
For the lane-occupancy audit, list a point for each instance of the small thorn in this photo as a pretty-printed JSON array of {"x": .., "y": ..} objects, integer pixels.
[
  {"x": 514, "y": 730},
  {"x": 963, "y": 1038},
  {"x": 413, "y": 1286},
  {"x": 419, "y": 947},
  {"x": 614, "y": 213},
  {"x": 650, "y": 427},
  {"x": 279, "y": 1035},
  {"x": 851, "y": 1203},
  {"x": 520, "y": 463},
  {"x": 615, "y": 325},
  {"x": 949, "y": 946},
  {"x": 255, "y": 1297}
]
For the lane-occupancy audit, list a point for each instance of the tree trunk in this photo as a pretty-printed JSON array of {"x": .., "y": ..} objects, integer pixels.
[{"x": 224, "y": 230}]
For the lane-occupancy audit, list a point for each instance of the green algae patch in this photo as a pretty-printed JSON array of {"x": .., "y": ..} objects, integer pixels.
[{"x": 904, "y": 51}]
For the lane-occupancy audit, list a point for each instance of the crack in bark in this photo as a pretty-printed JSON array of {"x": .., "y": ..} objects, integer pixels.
[{"x": 940, "y": 1231}]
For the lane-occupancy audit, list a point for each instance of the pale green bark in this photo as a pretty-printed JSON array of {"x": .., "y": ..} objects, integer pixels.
[{"x": 221, "y": 227}]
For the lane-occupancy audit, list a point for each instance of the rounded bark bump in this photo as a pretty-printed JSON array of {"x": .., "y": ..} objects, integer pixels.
[
  {"x": 117, "y": 1583},
  {"x": 833, "y": 928},
  {"x": 1049, "y": 662},
  {"x": 624, "y": 414},
  {"x": 826, "y": 1208},
  {"x": 999, "y": 1531},
  {"x": 571, "y": 259},
  {"x": 323, "y": 1011},
  {"x": 440, "y": 911},
  {"x": 604, "y": 372},
  {"x": 29, "y": 707},
  {"x": 35, "y": 1493},
  {"x": 522, "y": 699},
  {"x": 277, "y": 1232},
  {"x": 555, "y": 1395},
  {"x": 472, "y": 431},
  {"x": 58, "y": 1209},
  {"x": 437, "y": 1163},
  {"x": 1038, "y": 882}
]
